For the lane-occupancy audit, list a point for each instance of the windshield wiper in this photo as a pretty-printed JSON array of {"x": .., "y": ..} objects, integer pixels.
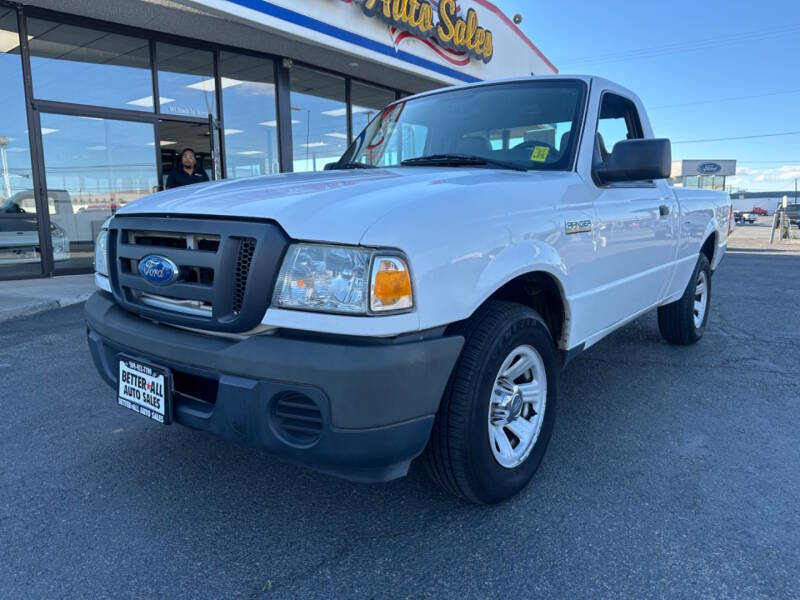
[
  {"x": 459, "y": 160},
  {"x": 350, "y": 165}
]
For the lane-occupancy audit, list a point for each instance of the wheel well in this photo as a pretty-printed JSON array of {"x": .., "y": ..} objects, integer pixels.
[
  {"x": 541, "y": 292},
  {"x": 709, "y": 246}
]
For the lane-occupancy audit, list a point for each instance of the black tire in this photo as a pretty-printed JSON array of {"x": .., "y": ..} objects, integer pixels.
[
  {"x": 676, "y": 321},
  {"x": 458, "y": 457}
]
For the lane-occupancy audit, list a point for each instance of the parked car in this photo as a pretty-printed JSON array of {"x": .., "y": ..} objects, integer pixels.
[
  {"x": 422, "y": 296},
  {"x": 792, "y": 214},
  {"x": 761, "y": 212},
  {"x": 19, "y": 232},
  {"x": 744, "y": 217}
]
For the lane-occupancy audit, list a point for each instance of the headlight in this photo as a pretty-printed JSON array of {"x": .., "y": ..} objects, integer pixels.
[
  {"x": 337, "y": 279},
  {"x": 324, "y": 278},
  {"x": 101, "y": 251}
]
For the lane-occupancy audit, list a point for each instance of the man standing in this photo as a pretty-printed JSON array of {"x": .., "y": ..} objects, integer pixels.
[{"x": 189, "y": 173}]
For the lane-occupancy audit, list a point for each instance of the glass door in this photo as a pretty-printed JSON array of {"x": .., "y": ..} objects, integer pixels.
[{"x": 186, "y": 153}]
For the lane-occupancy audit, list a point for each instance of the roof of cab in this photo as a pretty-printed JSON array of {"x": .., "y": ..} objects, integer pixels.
[{"x": 588, "y": 79}]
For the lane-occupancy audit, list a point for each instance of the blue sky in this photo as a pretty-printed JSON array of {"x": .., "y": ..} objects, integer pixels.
[{"x": 710, "y": 57}]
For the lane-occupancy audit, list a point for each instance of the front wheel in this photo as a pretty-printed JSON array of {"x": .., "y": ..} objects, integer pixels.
[
  {"x": 498, "y": 410},
  {"x": 684, "y": 321}
]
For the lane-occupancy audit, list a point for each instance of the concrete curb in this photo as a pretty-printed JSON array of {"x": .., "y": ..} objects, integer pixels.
[
  {"x": 29, "y": 310},
  {"x": 26, "y": 298}
]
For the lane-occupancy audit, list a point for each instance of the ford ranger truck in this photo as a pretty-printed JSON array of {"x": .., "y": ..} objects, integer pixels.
[{"x": 418, "y": 297}]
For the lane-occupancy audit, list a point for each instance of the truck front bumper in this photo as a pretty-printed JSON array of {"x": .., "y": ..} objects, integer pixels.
[{"x": 365, "y": 408}]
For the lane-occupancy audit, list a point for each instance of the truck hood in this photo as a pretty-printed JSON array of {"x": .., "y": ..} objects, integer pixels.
[{"x": 333, "y": 206}]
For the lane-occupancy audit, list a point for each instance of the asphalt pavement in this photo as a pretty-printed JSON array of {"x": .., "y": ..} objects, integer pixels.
[{"x": 672, "y": 473}]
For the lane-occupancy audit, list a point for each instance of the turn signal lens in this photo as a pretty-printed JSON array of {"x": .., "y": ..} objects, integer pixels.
[
  {"x": 101, "y": 250},
  {"x": 391, "y": 285}
]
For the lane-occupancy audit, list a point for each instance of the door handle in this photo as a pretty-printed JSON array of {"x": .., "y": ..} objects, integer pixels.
[{"x": 663, "y": 210}]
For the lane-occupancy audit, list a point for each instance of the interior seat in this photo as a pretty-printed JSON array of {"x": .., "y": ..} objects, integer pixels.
[
  {"x": 475, "y": 145},
  {"x": 601, "y": 145}
]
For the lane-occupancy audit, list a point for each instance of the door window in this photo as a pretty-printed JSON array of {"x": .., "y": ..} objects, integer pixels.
[
  {"x": 175, "y": 137},
  {"x": 619, "y": 121}
]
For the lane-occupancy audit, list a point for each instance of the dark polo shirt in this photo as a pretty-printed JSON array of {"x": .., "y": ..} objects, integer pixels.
[{"x": 179, "y": 177}]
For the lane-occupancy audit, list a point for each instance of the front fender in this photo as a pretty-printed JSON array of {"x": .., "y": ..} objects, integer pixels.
[
  {"x": 516, "y": 260},
  {"x": 529, "y": 256}
]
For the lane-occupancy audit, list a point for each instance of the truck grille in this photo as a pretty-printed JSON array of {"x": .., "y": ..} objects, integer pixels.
[
  {"x": 247, "y": 248},
  {"x": 216, "y": 287}
]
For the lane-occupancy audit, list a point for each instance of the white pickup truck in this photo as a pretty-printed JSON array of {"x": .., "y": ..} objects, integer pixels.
[{"x": 421, "y": 295}]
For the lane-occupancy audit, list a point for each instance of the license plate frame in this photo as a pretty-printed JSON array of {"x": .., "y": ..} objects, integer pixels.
[{"x": 133, "y": 393}]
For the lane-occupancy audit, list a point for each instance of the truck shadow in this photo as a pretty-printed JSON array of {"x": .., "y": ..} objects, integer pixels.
[
  {"x": 214, "y": 494},
  {"x": 632, "y": 445}
]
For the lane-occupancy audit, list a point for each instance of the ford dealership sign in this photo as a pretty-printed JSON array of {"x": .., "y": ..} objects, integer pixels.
[{"x": 709, "y": 168}]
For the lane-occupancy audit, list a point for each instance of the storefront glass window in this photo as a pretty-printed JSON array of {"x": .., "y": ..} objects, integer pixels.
[
  {"x": 319, "y": 118},
  {"x": 367, "y": 101},
  {"x": 251, "y": 126},
  {"x": 88, "y": 66},
  {"x": 186, "y": 83},
  {"x": 19, "y": 225},
  {"x": 692, "y": 182},
  {"x": 93, "y": 166}
]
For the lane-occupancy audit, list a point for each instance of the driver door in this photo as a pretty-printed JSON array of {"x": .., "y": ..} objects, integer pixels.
[{"x": 635, "y": 224}]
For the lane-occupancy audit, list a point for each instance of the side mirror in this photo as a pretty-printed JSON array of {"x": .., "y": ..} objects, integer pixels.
[
  {"x": 330, "y": 166},
  {"x": 637, "y": 160}
]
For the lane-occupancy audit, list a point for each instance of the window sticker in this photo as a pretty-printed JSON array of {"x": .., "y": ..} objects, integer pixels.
[{"x": 540, "y": 153}]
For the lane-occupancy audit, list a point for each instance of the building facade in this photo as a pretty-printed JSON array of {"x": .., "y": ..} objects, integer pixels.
[
  {"x": 704, "y": 174},
  {"x": 769, "y": 201},
  {"x": 100, "y": 98}
]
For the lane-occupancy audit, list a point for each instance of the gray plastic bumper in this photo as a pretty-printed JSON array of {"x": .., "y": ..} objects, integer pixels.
[{"x": 376, "y": 401}]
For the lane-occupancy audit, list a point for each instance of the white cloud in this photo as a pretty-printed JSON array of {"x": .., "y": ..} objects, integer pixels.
[
  {"x": 787, "y": 172},
  {"x": 747, "y": 171},
  {"x": 779, "y": 178}
]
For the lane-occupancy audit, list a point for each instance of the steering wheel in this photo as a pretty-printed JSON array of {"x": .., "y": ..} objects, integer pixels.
[{"x": 533, "y": 144}]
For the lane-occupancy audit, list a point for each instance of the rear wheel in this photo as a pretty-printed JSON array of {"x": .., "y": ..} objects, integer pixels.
[
  {"x": 684, "y": 321},
  {"x": 498, "y": 410}
]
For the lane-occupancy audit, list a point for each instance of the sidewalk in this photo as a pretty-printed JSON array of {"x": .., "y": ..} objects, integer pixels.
[
  {"x": 755, "y": 238},
  {"x": 31, "y": 296}
]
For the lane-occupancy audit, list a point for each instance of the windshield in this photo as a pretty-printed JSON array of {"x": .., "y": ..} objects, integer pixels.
[{"x": 527, "y": 124}]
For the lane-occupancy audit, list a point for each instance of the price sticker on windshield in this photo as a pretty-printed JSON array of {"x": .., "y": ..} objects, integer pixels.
[{"x": 540, "y": 153}]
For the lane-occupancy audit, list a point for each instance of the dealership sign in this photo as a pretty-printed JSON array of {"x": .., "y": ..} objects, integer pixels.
[
  {"x": 445, "y": 41},
  {"x": 709, "y": 168},
  {"x": 447, "y": 29}
]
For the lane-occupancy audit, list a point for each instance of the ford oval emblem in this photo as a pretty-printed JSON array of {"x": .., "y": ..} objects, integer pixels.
[
  {"x": 709, "y": 168},
  {"x": 158, "y": 270}
]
